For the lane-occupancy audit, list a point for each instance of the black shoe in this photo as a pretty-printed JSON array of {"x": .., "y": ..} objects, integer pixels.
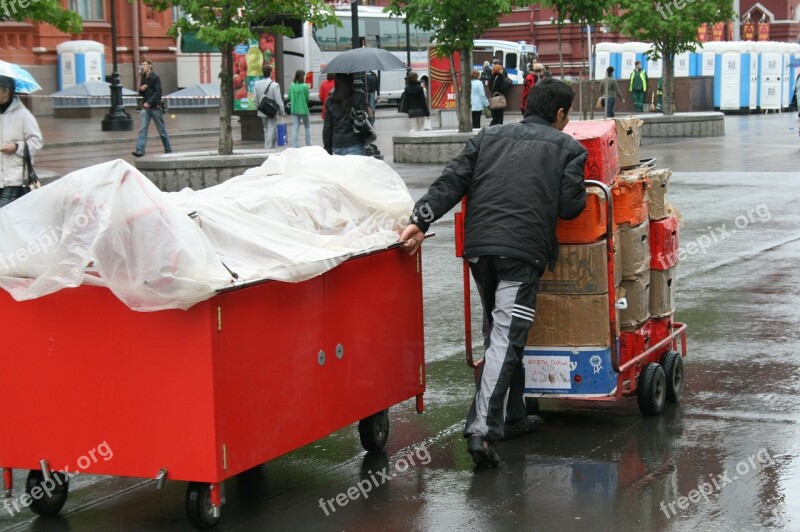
[
  {"x": 167, "y": 151},
  {"x": 482, "y": 451},
  {"x": 137, "y": 154},
  {"x": 522, "y": 426}
]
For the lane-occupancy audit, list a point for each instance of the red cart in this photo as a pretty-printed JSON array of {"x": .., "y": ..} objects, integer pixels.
[
  {"x": 654, "y": 374},
  {"x": 204, "y": 394}
]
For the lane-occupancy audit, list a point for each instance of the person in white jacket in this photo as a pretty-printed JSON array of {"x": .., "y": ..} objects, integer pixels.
[
  {"x": 267, "y": 87},
  {"x": 478, "y": 99},
  {"x": 17, "y": 127}
]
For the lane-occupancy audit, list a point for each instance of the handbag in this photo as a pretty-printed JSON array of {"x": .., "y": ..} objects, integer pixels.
[
  {"x": 487, "y": 112},
  {"x": 31, "y": 181},
  {"x": 402, "y": 105},
  {"x": 362, "y": 126},
  {"x": 497, "y": 101},
  {"x": 267, "y": 105}
]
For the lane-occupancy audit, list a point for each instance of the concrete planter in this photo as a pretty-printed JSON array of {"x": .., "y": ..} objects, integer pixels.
[
  {"x": 429, "y": 146},
  {"x": 197, "y": 170}
]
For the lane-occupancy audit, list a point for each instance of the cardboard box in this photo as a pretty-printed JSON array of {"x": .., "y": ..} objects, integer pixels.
[
  {"x": 577, "y": 372},
  {"x": 582, "y": 269},
  {"x": 590, "y": 225},
  {"x": 662, "y": 292},
  {"x": 657, "y": 194},
  {"x": 664, "y": 243},
  {"x": 629, "y": 195},
  {"x": 637, "y": 294},
  {"x": 628, "y": 140},
  {"x": 599, "y": 137},
  {"x": 635, "y": 249},
  {"x": 571, "y": 320}
]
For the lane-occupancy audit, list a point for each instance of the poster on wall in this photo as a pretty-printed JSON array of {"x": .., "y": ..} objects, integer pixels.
[
  {"x": 442, "y": 93},
  {"x": 248, "y": 60}
]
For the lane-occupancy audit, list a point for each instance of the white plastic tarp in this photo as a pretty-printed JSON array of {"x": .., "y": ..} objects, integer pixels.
[{"x": 298, "y": 215}]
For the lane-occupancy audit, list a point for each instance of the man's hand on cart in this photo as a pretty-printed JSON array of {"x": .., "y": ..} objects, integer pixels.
[{"x": 412, "y": 237}]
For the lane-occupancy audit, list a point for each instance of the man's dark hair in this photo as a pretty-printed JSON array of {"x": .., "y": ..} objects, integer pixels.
[
  {"x": 8, "y": 84},
  {"x": 547, "y": 97},
  {"x": 266, "y": 70}
]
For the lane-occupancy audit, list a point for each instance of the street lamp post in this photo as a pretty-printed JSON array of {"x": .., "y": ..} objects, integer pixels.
[{"x": 116, "y": 119}]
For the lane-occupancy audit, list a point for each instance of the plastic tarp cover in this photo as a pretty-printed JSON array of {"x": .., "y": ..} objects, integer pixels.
[{"x": 298, "y": 215}]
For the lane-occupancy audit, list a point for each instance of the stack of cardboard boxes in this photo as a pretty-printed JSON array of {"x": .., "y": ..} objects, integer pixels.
[{"x": 568, "y": 348}]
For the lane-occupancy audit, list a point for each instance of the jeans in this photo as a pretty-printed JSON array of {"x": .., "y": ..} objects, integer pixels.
[
  {"x": 355, "y": 149},
  {"x": 373, "y": 104},
  {"x": 610, "y": 106},
  {"x": 270, "y": 125},
  {"x": 296, "y": 126},
  {"x": 158, "y": 117},
  {"x": 9, "y": 194}
]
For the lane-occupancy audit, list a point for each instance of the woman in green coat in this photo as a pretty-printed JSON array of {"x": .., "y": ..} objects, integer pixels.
[{"x": 298, "y": 98}]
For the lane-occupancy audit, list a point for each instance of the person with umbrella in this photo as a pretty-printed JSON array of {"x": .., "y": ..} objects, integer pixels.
[
  {"x": 18, "y": 128},
  {"x": 339, "y": 136}
]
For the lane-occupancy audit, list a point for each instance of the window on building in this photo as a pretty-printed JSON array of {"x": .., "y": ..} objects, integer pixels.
[{"x": 88, "y": 9}]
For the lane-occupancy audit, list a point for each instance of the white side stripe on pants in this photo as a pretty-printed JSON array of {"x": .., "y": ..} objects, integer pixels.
[{"x": 522, "y": 312}]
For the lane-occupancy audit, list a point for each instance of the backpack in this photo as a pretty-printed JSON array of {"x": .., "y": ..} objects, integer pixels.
[{"x": 267, "y": 105}]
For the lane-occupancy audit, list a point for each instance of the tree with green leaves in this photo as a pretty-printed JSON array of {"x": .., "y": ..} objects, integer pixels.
[
  {"x": 47, "y": 11},
  {"x": 228, "y": 24},
  {"x": 455, "y": 25},
  {"x": 671, "y": 29}
]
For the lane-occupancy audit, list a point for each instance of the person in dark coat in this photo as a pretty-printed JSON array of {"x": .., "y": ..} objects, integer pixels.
[
  {"x": 416, "y": 103},
  {"x": 519, "y": 178},
  {"x": 338, "y": 135},
  {"x": 498, "y": 84},
  {"x": 152, "y": 108}
]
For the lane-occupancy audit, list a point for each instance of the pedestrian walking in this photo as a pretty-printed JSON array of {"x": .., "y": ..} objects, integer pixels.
[
  {"x": 152, "y": 108},
  {"x": 611, "y": 91},
  {"x": 298, "y": 100},
  {"x": 338, "y": 132},
  {"x": 519, "y": 178},
  {"x": 325, "y": 91},
  {"x": 415, "y": 102},
  {"x": 373, "y": 88},
  {"x": 271, "y": 89},
  {"x": 638, "y": 86},
  {"x": 486, "y": 73},
  {"x": 18, "y": 128},
  {"x": 478, "y": 99},
  {"x": 535, "y": 74},
  {"x": 498, "y": 86}
]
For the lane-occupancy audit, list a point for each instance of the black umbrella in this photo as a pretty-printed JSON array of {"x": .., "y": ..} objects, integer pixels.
[{"x": 362, "y": 60}]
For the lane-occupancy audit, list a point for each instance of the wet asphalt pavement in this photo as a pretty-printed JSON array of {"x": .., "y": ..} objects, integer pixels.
[{"x": 726, "y": 458}]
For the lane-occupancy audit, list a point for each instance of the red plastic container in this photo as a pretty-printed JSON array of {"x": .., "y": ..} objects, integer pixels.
[
  {"x": 590, "y": 225},
  {"x": 599, "y": 137},
  {"x": 628, "y": 197},
  {"x": 660, "y": 328},
  {"x": 632, "y": 343},
  {"x": 663, "y": 243}
]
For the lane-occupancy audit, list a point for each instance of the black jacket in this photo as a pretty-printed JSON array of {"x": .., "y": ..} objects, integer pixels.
[
  {"x": 415, "y": 101},
  {"x": 499, "y": 83},
  {"x": 152, "y": 95},
  {"x": 518, "y": 179},
  {"x": 337, "y": 129}
]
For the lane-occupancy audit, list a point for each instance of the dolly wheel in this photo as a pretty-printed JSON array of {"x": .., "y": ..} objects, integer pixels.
[
  {"x": 50, "y": 495},
  {"x": 532, "y": 405},
  {"x": 672, "y": 362},
  {"x": 374, "y": 431},
  {"x": 198, "y": 506},
  {"x": 652, "y": 389}
]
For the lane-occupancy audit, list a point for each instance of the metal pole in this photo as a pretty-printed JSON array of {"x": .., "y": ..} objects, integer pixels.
[
  {"x": 116, "y": 119},
  {"x": 354, "y": 16},
  {"x": 589, "y": 38},
  {"x": 737, "y": 20}
]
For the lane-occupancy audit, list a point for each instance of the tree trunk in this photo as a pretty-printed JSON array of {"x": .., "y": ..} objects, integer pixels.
[
  {"x": 560, "y": 53},
  {"x": 584, "y": 111},
  {"x": 668, "y": 88},
  {"x": 464, "y": 93},
  {"x": 226, "y": 101}
]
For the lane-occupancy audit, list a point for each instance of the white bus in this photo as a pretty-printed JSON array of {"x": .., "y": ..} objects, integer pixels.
[{"x": 515, "y": 57}]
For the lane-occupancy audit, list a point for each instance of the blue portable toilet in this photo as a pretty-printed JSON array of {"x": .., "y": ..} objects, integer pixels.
[
  {"x": 710, "y": 66},
  {"x": 80, "y": 62},
  {"x": 682, "y": 65},
  {"x": 733, "y": 69},
  {"x": 752, "y": 74},
  {"x": 770, "y": 74},
  {"x": 630, "y": 52},
  {"x": 607, "y": 54},
  {"x": 794, "y": 67},
  {"x": 786, "y": 51},
  {"x": 653, "y": 67}
]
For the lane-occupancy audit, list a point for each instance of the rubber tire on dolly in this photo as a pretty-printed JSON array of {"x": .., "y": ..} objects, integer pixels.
[
  {"x": 374, "y": 431},
  {"x": 47, "y": 504},
  {"x": 198, "y": 506},
  {"x": 672, "y": 362},
  {"x": 651, "y": 389},
  {"x": 532, "y": 405}
]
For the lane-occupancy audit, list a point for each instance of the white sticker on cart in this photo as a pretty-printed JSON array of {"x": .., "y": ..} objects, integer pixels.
[{"x": 548, "y": 372}]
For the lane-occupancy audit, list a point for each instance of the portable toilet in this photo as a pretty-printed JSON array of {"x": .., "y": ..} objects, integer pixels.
[
  {"x": 708, "y": 58},
  {"x": 786, "y": 51},
  {"x": 681, "y": 65},
  {"x": 727, "y": 76},
  {"x": 654, "y": 67},
  {"x": 80, "y": 62},
  {"x": 770, "y": 74},
  {"x": 752, "y": 72},
  {"x": 794, "y": 68},
  {"x": 630, "y": 52},
  {"x": 606, "y": 54}
]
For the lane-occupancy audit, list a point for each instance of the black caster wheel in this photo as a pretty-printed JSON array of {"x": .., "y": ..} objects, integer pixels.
[
  {"x": 198, "y": 506},
  {"x": 672, "y": 362},
  {"x": 374, "y": 431},
  {"x": 47, "y": 496},
  {"x": 532, "y": 405},
  {"x": 651, "y": 389}
]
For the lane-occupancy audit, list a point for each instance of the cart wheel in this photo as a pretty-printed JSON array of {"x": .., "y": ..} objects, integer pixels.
[
  {"x": 374, "y": 431},
  {"x": 198, "y": 506},
  {"x": 50, "y": 499},
  {"x": 672, "y": 362},
  {"x": 652, "y": 389},
  {"x": 532, "y": 405}
]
